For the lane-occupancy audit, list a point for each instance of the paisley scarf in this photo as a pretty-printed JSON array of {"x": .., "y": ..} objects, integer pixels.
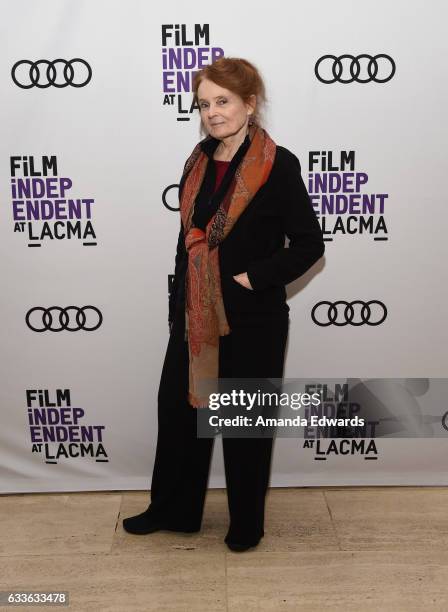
[{"x": 205, "y": 317}]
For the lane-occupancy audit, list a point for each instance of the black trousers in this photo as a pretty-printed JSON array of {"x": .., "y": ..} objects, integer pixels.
[{"x": 255, "y": 348}]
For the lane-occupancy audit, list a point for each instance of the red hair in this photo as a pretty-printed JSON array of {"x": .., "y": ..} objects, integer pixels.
[{"x": 237, "y": 75}]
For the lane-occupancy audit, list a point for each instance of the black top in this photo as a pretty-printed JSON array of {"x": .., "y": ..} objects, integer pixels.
[{"x": 208, "y": 201}]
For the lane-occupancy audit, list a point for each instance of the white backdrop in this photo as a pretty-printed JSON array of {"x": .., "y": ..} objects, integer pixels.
[{"x": 118, "y": 143}]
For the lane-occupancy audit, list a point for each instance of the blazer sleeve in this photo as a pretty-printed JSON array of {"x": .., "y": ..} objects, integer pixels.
[
  {"x": 300, "y": 225},
  {"x": 181, "y": 253}
]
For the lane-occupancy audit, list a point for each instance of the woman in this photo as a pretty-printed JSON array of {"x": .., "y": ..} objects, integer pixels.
[{"x": 240, "y": 195}]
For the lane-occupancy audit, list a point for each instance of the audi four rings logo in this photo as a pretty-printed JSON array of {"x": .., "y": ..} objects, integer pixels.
[
  {"x": 342, "y": 313},
  {"x": 59, "y": 73},
  {"x": 41, "y": 319},
  {"x": 444, "y": 421},
  {"x": 329, "y": 68}
]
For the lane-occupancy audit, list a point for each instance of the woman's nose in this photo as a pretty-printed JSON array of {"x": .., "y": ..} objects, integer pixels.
[{"x": 211, "y": 111}]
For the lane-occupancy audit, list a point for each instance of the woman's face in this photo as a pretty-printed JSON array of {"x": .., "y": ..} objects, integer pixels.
[{"x": 223, "y": 113}]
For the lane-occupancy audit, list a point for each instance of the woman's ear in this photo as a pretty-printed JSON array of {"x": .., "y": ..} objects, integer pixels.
[{"x": 252, "y": 105}]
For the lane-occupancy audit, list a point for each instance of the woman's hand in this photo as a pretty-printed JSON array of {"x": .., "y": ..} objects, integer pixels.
[{"x": 243, "y": 279}]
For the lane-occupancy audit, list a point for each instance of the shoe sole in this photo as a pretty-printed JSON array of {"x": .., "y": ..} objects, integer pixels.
[
  {"x": 240, "y": 547},
  {"x": 155, "y": 528}
]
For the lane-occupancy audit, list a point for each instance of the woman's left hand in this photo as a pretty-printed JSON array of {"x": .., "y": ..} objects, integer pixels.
[{"x": 243, "y": 279}]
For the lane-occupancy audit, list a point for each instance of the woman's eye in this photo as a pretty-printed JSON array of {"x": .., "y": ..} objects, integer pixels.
[{"x": 204, "y": 104}]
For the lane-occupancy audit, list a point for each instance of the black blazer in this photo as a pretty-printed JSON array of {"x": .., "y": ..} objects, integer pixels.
[{"x": 256, "y": 243}]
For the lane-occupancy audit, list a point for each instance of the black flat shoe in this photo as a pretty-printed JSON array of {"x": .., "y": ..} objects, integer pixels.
[
  {"x": 142, "y": 524},
  {"x": 240, "y": 547}
]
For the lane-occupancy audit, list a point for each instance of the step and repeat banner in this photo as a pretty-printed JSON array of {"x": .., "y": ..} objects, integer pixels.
[{"x": 97, "y": 122}]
